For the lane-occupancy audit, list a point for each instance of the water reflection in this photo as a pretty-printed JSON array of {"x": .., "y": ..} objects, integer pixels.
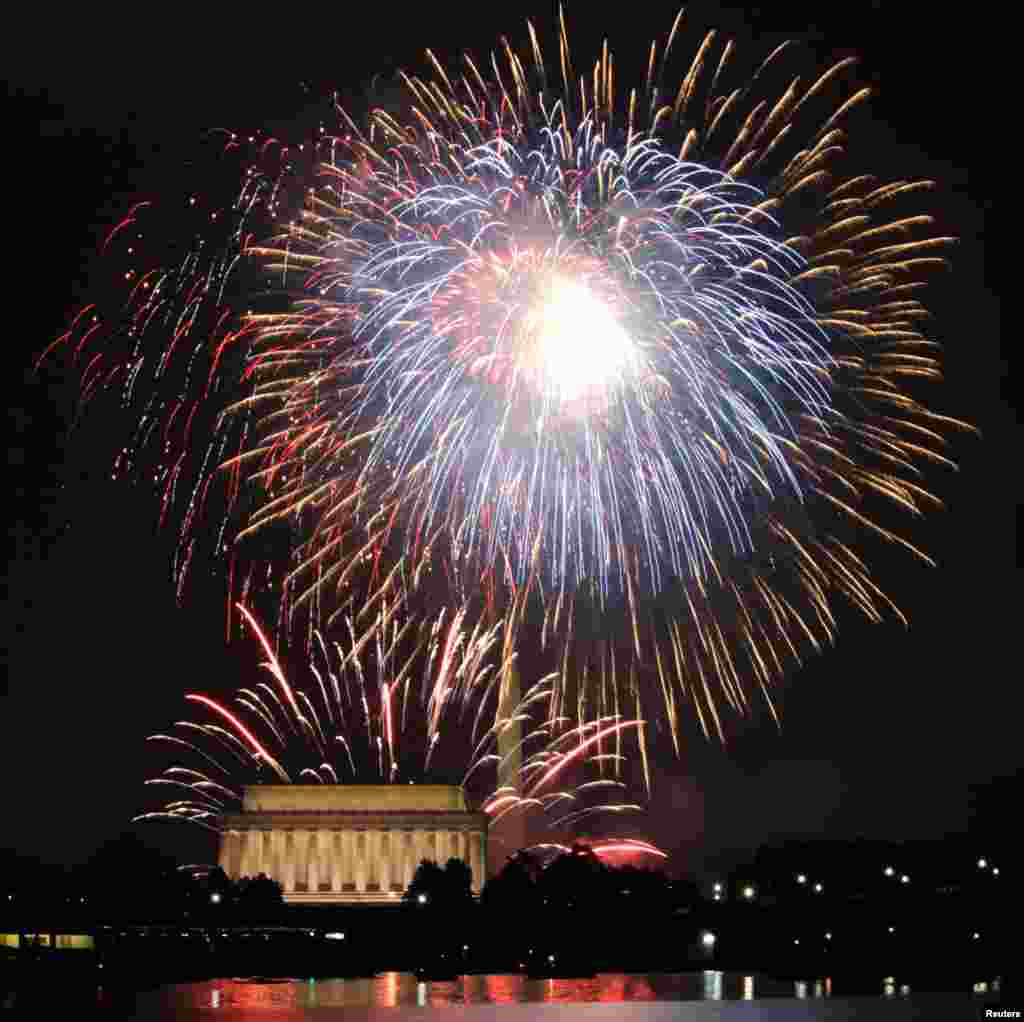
[
  {"x": 234, "y": 999},
  {"x": 388, "y": 990},
  {"x": 712, "y": 986},
  {"x": 622, "y": 987},
  {"x": 504, "y": 989}
]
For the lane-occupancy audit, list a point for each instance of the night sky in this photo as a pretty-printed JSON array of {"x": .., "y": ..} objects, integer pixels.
[{"x": 886, "y": 735}]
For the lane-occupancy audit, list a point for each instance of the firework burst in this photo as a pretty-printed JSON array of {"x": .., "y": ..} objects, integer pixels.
[
  {"x": 373, "y": 718},
  {"x": 632, "y": 376}
]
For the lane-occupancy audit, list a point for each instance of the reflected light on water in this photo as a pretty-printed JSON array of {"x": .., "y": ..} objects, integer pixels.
[
  {"x": 389, "y": 983},
  {"x": 712, "y": 985},
  {"x": 288, "y": 1000},
  {"x": 617, "y": 987},
  {"x": 504, "y": 989},
  {"x": 444, "y": 992}
]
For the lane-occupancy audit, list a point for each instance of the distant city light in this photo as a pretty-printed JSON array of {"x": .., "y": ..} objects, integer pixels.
[
  {"x": 422, "y": 899},
  {"x": 796, "y": 940},
  {"x": 904, "y": 879},
  {"x": 334, "y": 936},
  {"x": 801, "y": 879},
  {"x": 995, "y": 871},
  {"x": 892, "y": 929},
  {"x": 976, "y": 936},
  {"x": 707, "y": 938},
  {"x": 982, "y": 863},
  {"x": 818, "y": 888},
  {"x": 889, "y": 871},
  {"x": 828, "y": 936},
  {"x": 748, "y": 893},
  {"x": 214, "y": 898},
  {"x": 717, "y": 888}
]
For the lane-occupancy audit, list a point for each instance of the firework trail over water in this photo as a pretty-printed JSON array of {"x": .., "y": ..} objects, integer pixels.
[
  {"x": 376, "y": 719},
  {"x": 635, "y": 374}
]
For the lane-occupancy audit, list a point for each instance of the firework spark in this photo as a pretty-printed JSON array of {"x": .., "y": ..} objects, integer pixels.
[
  {"x": 636, "y": 378},
  {"x": 365, "y": 720}
]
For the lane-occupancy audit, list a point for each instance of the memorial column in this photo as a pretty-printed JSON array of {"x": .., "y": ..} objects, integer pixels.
[
  {"x": 476, "y": 860},
  {"x": 408, "y": 858},
  {"x": 276, "y": 870},
  {"x": 288, "y": 869},
  {"x": 248, "y": 840},
  {"x": 301, "y": 853},
  {"x": 261, "y": 851},
  {"x": 419, "y": 848},
  {"x": 231, "y": 853},
  {"x": 384, "y": 862},
  {"x": 373, "y": 859},
  {"x": 359, "y": 860},
  {"x": 348, "y": 873},
  {"x": 314, "y": 861},
  {"x": 337, "y": 861}
]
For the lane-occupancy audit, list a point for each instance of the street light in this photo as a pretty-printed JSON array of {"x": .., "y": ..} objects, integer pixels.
[
  {"x": 215, "y": 898},
  {"x": 422, "y": 899},
  {"x": 904, "y": 879},
  {"x": 982, "y": 863},
  {"x": 818, "y": 888},
  {"x": 889, "y": 871},
  {"x": 707, "y": 938},
  {"x": 748, "y": 892},
  {"x": 801, "y": 879}
]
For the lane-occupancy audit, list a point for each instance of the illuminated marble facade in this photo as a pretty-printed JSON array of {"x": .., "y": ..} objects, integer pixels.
[{"x": 350, "y": 842}]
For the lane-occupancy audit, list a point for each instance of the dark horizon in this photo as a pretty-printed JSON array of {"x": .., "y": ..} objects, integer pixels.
[{"x": 885, "y": 735}]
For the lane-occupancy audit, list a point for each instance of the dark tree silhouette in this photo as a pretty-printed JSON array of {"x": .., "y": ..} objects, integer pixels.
[
  {"x": 258, "y": 897},
  {"x": 447, "y": 887},
  {"x": 514, "y": 889}
]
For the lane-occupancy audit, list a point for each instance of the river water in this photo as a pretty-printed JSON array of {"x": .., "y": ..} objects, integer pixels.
[{"x": 288, "y": 999}]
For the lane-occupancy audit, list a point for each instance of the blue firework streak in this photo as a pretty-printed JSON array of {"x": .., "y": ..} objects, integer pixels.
[
  {"x": 594, "y": 365},
  {"x": 649, "y": 450}
]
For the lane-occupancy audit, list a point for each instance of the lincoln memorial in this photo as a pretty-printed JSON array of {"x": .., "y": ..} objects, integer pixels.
[{"x": 350, "y": 842}]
